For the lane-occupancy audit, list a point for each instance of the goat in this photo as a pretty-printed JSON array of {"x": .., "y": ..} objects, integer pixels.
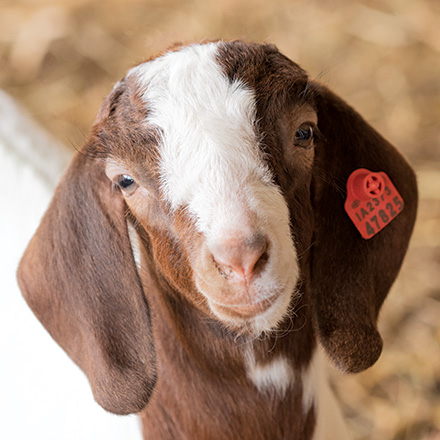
[{"x": 197, "y": 252}]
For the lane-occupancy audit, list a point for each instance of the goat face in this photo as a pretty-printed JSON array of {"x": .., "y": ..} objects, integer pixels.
[
  {"x": 236, "y": 201},
  {"x": 205, "y": 186}
]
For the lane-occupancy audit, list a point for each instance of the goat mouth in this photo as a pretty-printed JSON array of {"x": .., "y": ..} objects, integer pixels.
[{"x": 243, "y": 311}]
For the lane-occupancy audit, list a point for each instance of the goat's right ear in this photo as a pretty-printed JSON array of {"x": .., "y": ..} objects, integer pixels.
[{"x": 79, "y": 277}]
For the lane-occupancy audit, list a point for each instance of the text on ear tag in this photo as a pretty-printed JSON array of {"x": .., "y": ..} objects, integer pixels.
[{"x": 372, "y": 201}]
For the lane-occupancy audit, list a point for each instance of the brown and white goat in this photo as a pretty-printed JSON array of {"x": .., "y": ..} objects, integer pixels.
[{"x": 197, "y": 248}]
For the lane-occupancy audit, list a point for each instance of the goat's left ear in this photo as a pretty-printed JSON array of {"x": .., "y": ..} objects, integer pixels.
[{"x": 351, "y": 276}]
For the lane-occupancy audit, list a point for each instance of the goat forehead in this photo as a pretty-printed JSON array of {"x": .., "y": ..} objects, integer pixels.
[{"x": 209, "y": 143}]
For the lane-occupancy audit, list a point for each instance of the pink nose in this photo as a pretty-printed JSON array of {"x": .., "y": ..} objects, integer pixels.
[{"x": 240, "y": 258}]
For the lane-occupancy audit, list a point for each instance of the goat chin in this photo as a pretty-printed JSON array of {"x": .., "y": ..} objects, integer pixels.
[{"x": 261, "y": 318}]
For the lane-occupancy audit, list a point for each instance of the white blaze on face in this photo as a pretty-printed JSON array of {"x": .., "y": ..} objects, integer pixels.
[
  {"x": 209, "y": 144},
  {"x": 210, "y": 161}
]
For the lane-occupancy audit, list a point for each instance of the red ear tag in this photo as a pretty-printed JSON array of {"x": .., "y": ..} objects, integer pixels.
[{"x": 372, "y": 201}]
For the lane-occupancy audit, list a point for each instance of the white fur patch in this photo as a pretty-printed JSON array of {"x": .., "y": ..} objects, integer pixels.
[
  {"x": 312, "y": 379},
  {"x": 209, "y": 152},
  {"x": 276, "y": 376},
  {"x": 134, "y": 242}
]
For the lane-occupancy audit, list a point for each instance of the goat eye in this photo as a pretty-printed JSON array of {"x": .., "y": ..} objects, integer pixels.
[
  {"x": 126, "y": 183},
  {"x": 304, "y": 136}
]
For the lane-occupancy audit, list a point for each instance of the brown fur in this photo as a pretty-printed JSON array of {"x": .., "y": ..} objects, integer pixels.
[{"x": 148, "y": 342}]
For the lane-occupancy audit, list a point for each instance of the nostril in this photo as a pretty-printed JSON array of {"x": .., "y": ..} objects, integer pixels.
[
  {"x": 241, "y": 259},
  {"x": 259, "y": 265}
]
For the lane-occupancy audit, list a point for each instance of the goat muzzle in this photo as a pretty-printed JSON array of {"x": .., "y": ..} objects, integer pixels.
[{"x": 239, "y": 260}]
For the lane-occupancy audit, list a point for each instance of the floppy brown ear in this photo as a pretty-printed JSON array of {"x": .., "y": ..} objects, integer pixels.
[
  {"x": 351, "y": 276},
  {"x": 79, "y": 277}
]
